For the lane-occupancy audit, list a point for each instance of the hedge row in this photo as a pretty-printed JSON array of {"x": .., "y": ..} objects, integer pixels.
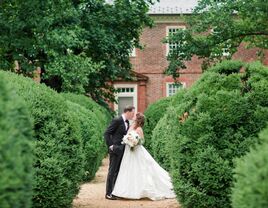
[
  {"x": 92, "y": 119},
  {"x": 153, "y": 114},
  {"x": 102, "y": 114},
  {"x": 64, "y": 135},
  {"x": 16, "y": 145},
  {"x": 251, "y": 175},
  {"x": 163, "y": 133},
  {"x": 226, "y": 111}
]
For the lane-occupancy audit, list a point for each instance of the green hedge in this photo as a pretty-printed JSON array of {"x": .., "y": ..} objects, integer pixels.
[
  {"x": 102, "y": 114},
  {"x": 58, "y": 146},
  {"x": 153, "y": 114},
  {"x": 226, "y": 112},
  {"x": 93, "y": 143},
  {"x": 165, "y": 130},
  {"x": 223, "y": 126},
  {"x": 16, "y": 145},
  {"x": 251, "y": 175}
]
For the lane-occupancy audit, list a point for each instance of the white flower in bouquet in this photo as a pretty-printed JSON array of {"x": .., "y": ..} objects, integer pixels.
[{"x": 132, "y": 139}]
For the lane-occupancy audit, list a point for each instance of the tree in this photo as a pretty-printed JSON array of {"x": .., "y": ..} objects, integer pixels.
[
  {"x": 79, "y": 44},
  {"x": 216, "y": 30}
]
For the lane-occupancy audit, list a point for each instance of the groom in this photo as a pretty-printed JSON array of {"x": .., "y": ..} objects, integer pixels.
[{"x": 113, "y": 137}]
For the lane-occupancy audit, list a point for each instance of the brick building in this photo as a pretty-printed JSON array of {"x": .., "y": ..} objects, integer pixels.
[{"x": 149, "y": 82}]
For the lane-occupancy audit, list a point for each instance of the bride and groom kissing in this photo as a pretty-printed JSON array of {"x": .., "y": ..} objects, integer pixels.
[{"x": 133, "y": 174}]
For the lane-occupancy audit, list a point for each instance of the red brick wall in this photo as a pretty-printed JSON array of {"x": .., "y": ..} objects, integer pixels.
[
  {"x": 152, "y": 62},
  {"x": 249, "y": 55},
  {"x": 154, "y": 87},
  {"x": 142, "y": 96}
]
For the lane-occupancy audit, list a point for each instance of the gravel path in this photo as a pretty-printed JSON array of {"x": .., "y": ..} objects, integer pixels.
[{"x": 91, "y": 195}]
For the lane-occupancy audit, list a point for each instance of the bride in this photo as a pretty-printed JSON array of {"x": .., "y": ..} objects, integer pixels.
[{"x": 140, "y": 176}]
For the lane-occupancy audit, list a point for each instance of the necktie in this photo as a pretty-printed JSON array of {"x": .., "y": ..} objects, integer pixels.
[{"x": 127, "y": 121}]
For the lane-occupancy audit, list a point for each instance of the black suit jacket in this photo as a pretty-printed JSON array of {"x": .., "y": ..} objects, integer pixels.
[{"x": 114, "y": 134}]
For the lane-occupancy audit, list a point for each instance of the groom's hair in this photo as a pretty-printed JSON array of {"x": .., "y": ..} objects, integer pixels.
[{"x": 128, "y": 108}]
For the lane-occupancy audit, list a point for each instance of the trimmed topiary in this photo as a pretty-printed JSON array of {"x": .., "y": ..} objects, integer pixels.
[
  {"x": 58, "y": 146},
  {"x": 16, "y": 149},
  {"x": 102, "y": 114},
  {"x": 94, "y": 147},
  {"x": 163, "y": 133},
  {"x": 227, "y": 67},
  {"x": 251, "y": 177},
  {"x": 101, "y": 117},
  {"x": 224, "y": 114},
  {"x": 153, "y": 114}
]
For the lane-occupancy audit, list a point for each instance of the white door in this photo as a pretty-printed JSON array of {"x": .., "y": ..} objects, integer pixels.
[{"x": 126, "y": 95}]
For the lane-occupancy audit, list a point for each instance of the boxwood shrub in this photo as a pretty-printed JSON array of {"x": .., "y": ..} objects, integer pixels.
[
  {"x": 226, "y": 111},
  {"x": 16, "y": 149},
  {"x": 92, "y": 141},
  {"x": 100, "y": 117},
  {"x": 153, "y": 114},
  {"x": 251, "y": 177},
  {"x": 103, "y": 115},
  {"x": 58, "y": 146}
]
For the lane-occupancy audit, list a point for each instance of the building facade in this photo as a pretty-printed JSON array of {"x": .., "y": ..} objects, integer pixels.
[{"x": 149, "y": 81}]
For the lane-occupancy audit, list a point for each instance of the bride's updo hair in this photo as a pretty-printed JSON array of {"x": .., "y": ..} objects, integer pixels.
[{"x": 139, "y": 120}]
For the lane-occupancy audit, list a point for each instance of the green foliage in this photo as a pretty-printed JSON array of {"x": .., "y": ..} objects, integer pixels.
[
  {"x": 16, "y": 149},
  {"x": 93, "y": 121},
  {"x": 79, "y": 45},
  {"x": 225, "y": 114},
  {"x": 58, "y": 146},
  {"x": 163, "y": 133},
  {"x": 92, "y": 138},
  {"x": 103, "y": 115},
  {"x": 153, "y": 114},
  {"x": 227, "y": 67},
  {"x": 233, "y": 23},
  {"x": 251, "y": 175},
  {"x": 73, "y": 71}
]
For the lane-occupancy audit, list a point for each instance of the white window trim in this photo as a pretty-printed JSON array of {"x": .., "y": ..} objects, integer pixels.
[
  {"x": 224, "y": 53},
  {"x": 167, "y": 33},
  {"x": 168, "y": 83},
  {"x": 133, "y": 53},
  {"x": 126, "y": 94}
]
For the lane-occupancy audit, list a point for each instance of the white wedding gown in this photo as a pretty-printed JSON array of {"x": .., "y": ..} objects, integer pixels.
[{"x": 140, "y": 176}]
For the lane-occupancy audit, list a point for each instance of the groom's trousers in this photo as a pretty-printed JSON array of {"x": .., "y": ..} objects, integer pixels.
[{"x": 114, "y": 165}]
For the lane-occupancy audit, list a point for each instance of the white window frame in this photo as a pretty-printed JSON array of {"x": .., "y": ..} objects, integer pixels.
[
  {"x": 169, "y": 83},
  {"x": 126, "y": 94},
  {"x": 225, "y": 53},
  {"x": 167, "y": 34},
  {"x": 133, "y": 53},
  {"x": 224, "y": 50}
]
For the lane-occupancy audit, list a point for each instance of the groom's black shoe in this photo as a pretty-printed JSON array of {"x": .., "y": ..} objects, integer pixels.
[{"x": 110, "y": 197}]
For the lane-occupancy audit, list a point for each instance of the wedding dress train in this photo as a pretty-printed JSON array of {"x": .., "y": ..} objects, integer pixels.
[{"x": 140, "y": 176}]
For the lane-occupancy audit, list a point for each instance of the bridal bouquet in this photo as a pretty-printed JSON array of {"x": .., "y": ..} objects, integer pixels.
[{"x": 132, "y": 139}]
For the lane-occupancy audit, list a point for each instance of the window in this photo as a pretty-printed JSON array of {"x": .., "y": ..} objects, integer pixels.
[
  {"x": 173, "y": 88},
  {"x": 133, "y": 53},
  {"x": 225, "y": 52},
  {"x": 125, "y": 89},
  {"x": 225, "y": 46},
  {"x": 171, "y": 30},
  {"x": 126, "y": 94}
]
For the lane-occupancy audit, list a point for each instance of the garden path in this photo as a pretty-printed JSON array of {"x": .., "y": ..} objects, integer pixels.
[{"x": 91, "y": 195}]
